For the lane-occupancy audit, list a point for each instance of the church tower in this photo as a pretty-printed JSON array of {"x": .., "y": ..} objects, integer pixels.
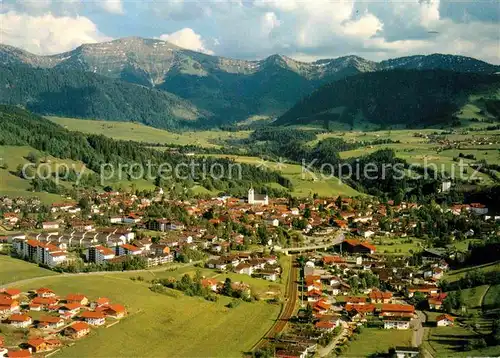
[{"x": 251, "y": 196}]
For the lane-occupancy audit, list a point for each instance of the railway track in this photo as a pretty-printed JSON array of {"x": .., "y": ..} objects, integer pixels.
[{"x": 288, "y": 309}]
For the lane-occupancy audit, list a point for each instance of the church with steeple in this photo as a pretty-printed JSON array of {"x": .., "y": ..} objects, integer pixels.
[{"x": 257, "y": 199}]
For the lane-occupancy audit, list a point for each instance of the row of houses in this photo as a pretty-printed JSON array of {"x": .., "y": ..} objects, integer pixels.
[
  {"x": 71, "y": 317},
  {"x": 266, "y": 267}
]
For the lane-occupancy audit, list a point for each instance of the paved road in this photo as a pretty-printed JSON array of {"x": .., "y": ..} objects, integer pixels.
[
  {"x": 323, "y": 352},
  {"x": 98, "y": 273},
  {"x": 418, "y": 329},
  {"x": 287, "y": 311}
]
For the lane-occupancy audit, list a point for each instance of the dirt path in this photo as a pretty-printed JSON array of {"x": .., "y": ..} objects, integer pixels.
[
  {"x": 481, "y": 301},
  {"x": 325, "y": 351}
]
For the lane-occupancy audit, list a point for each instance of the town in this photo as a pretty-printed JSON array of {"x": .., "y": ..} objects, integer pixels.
[{"x": 356, "y": 262}]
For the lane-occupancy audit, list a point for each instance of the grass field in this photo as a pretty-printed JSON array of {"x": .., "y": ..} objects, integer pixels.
[
  {"x": 400, "y": 246},
  {"x": 473, "y": 296},
  {"x": 455, "y": 275},
  {"x": 141, "y": 133},
  {"x": 492, "y": 298},
  {"x": 258, "y": 285},
  {"x": 373, "y": 340},
  {"x": 448, "y": 342},
  {"x": 12, "y": 270},
  {"x": 305, "y": 184},
  {"x": 164, "y": 325}
]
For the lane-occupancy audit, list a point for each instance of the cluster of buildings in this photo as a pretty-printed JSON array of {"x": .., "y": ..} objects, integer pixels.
[
  {"x": 384, "y": 302},
  {"x": 245, "y": 263},
  {"x": 63, "y": 319}
]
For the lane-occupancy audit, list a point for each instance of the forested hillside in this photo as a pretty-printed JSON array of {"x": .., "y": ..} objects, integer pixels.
[
  {"x": 87, "y": 95},
  {"x": 19, "y": 127},
  {"x": 399, "y": 97}
]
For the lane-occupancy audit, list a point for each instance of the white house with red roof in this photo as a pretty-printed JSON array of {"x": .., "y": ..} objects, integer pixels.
[
  {"x": 45, "y": 292},
  {"x": 20, "y": 320},
  {"x": 50, "y": 322},
  {"x": 445, "y": 320},
  {"x": 93, "y": 318},
  {"x": 8, "y": 305},
  {"x": 70, "y": 310}
]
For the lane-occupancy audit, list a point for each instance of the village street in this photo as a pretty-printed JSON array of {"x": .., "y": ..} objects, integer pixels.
[
  {"x": 418, "y": 329},
  {"x": 325, "y": 351}
]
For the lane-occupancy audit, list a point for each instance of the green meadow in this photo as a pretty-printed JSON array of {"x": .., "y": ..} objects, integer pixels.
[
  {"x": 141, "y": 133},
  {"x": 180, "y": 326},
  {"x": 12, "y": 270}
]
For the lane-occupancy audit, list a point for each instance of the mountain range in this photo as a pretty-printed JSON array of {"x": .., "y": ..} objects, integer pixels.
[
  {"x": 399, "y": 97},
  {"x": 218, "y": 90}
]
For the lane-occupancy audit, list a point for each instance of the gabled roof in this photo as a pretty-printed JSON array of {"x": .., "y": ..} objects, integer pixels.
[
  {"x": 71, "y": 306},
  {"x": 19, "y": 353},
  {"x": 50, "y": 319},
  {"x": 389, "y": 307},
  {"x": 445, "y": 316},
  {"x": 360, "y": 308},
  {"x": 79, "y": 326},
  {"x": 11, "y": 292},
  {"x": 377, "y": 295},
  {"x": 324, "y": 324},
  {"x": 19, "y": 318},
  {"x": 75, "y": 297},
  {"x": 44, "y": 290},
  {"x": 92, "y": 315},
  {"x": 314, "y": 293},
  {"x": 117, "y": 308},
  {"x": 130, "y": 247}
]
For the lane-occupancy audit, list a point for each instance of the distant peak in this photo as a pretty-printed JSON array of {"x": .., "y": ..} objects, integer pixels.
[{"x": 278, "y": 60}]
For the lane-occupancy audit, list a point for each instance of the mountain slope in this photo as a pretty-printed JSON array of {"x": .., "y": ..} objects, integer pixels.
[
  {"x": 388, "y": 98},
  {"x": 231, "y": 89},
  {"x": 439, "y": 62},
  {"x": 87, "y": 95}
]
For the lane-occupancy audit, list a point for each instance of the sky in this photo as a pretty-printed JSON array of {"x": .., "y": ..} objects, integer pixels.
[{"x": 306, "y": 30}]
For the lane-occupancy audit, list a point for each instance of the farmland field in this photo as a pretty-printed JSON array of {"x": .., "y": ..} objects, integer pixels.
[
  {"x": 374, "y": 340},
  {"x": 12, "y": 270},
  {"x": 141, "y": 133},
  {"x": 181, "y": 326}
]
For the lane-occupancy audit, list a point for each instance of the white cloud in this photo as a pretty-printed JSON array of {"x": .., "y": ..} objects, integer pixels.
[
  {"x": 112, "y": 6},
  {"x": 48, "y": 34},
  {"x": 269, "y": 22},
  {"x": 187, "y": 39},
  {"x": 258, "y": 28},
  {"x": 365, "y": 27}
]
